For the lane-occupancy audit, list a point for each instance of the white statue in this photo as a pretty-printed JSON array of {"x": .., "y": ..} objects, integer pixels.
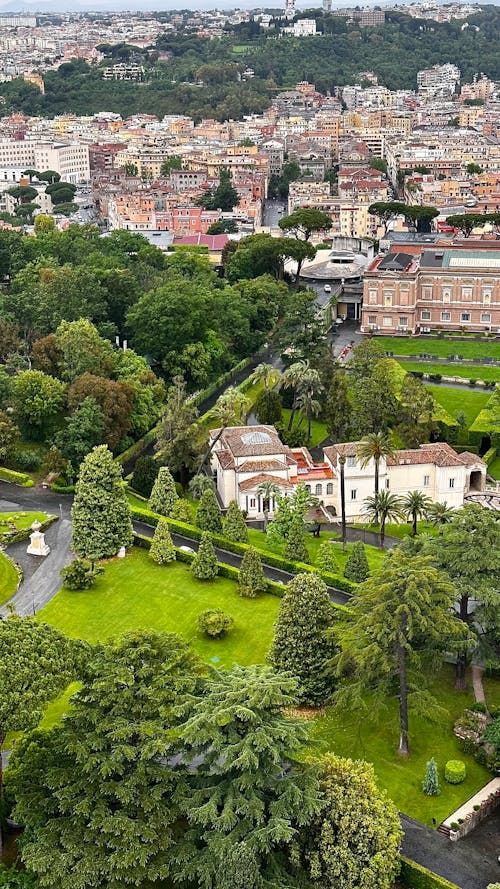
[{"x": 37, "y": 545}]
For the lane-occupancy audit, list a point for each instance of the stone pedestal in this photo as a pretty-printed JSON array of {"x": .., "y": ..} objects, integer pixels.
[{"x": 37, "y": 545}]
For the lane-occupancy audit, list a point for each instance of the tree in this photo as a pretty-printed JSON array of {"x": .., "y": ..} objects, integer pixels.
[
  {"x": 286, "y": 510},
  {"x": 163, "y": 495},
  {"x": 296, "y": 549},
  {"x": 114, "y": 398},
  {"x": 466, "y": 222},
  {"x": 233, "y": 526},
  {"x": 357, "y": 568},
  {"x": 239, "y": 869},
  {"x": 9, "y": 434},
  {"x": 473, "y": 169},
  {"x": 100, "y": 512},
  {"x": 44, "y": 224},
  {"x": 303, "y": 643},
  {"x": 430, "y": 784},
  {"x": 268, "y": 408},
  {"x": 162, "y": 549},
  {"x": 375, "y": 446},
  {"x": 342, "y": 459},
  {"x": 268, "y": 491},
  {"x": 415, "y": 506},
  {"x": 307, "y": 403},
  {"x": 401, "y": 616},
  {"x": 144, "y": 477},
  {"x": 439, "y": 514},
  {"x": 354, "y": 841},
  {"x": 200, "y": 483},
  {"x": 251, "y": 579},
  {"x": 9, "y": 338},
  {"x": 416, "y": 410},
  {"x": 374, "y": 400},
  {"x": 174, "y": 162},
  {"x": 468, "y": 549},
  {"x": 224, "y": 197},
  {"x": 305, "y": 221},
  {"x": 204, "y": 565},
  {"x": 208, "y": 517},
  {"x": 337, "y": 408},
  {"x": 83, "y": 350},
  {"x": 326, "y": 559},
  {"x": 267, "y": 374},
  {"x": 38, "y": 400},
  {"x": 223, "y": 227},
  {"x": 382, "y": 508},
  {"x": 215, "y": 623},
  {"x": 84, "y": 429},
  {"x": 96, "y": 793},
  {"x": 246, "y": 787},
  {"x": 80, "y": 574},
  {"x": 180, "y": 440},
  {"x": 36, "y": 664},
  {"x": 182, "y": 512}
]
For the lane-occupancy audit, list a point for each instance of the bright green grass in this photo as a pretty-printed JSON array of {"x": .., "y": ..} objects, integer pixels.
[
  {"x": 136, "y": 594},
  {"x": 374, "y": 556},
  {"x": 441, "y": 348},
  {"x": 318, "y": 430},
  {"x": 347, "y": 734},
  {"x": 8, "y": 578},
  {"x": 494, "y": 468},
  {"x": 21, "y": 520},
  {"x": 402, "y": 529},
  {"x": 468, "y": 371},
  {"x": 470, "y": 401}
]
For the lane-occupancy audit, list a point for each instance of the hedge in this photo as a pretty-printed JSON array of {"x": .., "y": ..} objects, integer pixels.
[
  {"x": 272, "y": 559},
  {"x": 415, "y": 876},
  {"x": 63, "y": 489},
  {"x": 489, "y": 456},
  {"x": 16, "y": 478},
  {"x": 24, "y": 533},
  {"x": 455, "y": 771},
  {"x": 138, "y": 446}
]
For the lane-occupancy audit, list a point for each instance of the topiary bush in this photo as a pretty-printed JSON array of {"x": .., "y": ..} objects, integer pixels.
[
  {"x": 144, "y": 477},
  {"x": 204, "y": 565},
  {"x": 80, "y": 574},
  {"x": 162, "y": 549},
  {"x": 455, "y": 771},
  {"x": 356, "y": 568},
  {"x": 182, "y": 512},
  {"x": 215, "y": 623}
]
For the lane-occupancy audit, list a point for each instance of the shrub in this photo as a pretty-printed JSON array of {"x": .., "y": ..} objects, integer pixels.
[
  {"x": 295, "y": 546},
  {"x": 356, "y": 568},
  {"x": 215, "y": 623},
  {"x": 182, "y": 512},
  {"x": 80, "y": 574},
  {"x": 162, "y": 549},
  {"x": 430, "y": 784},
  {"x": 251, "y": 578},
  {"x": 16, "y": 478},
  {"x": 233, "y": 526},
  {"x": 208, "y": 517},
  {"x": 144, "y": 477},
  {"x": 326, "y": 560},
  {"x": 204, "y": 565},
  {"x": 478, "y": 707},
  {"x": 27, "y": 459},
  {"x": 163, "y": 495},
  {"x": 455, "y": 771},
  {"x": 454, "y": 825}
]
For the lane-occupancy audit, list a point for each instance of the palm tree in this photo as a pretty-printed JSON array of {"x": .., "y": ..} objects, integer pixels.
[
  {"x": 267, "y": 374},
  {"x": 200, "y": 483},
  {"x": 231, "y": 407},
  {"x": 267, "y": 490},
  {"x": 374, "y": 446},
  {"x": 292, "y": 378},
  {"x": 309, "y": 407},
  {"x": 383, "y": 507},
  {"x": 416, "y": 506},
  {"x": 439, "y": 514}
]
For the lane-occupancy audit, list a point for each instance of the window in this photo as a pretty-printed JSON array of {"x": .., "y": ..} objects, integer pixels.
[
  {"x": 426, "y": 316},
  {"x": 427, "y": 480},
  {"x": 452, "y": 482},
  {"x": 351, "y": 461},
  {"x": 486, "y": 297},
  {"x": 403, "y": 322},
  {"x": 387, "y": 300},
  {"x": 485, "y": 317},
  {"x": 318, "y": 490},
  {"x": 353, "y": 494},
  {"x": 465, "y": 316},
  {"x": 446, "y": 296},
  {"x": 445, "y": 316},
  {"x": 387, "y": 321},
  {"x": 372, "y": 320},
  {"x": 466, "y": 292},
  {"x": 329, "y": 488},
  {"x": 387, "y": 482},
  {"x": 426, "y": 292},
  {"x": 372, "y": 297},
  {"x": 253, "y": 503},
  {"x": 308, "y": 488}
]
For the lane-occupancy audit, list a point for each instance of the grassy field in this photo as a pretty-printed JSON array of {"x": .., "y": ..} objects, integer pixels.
[
  {"x": 401, "y": 529},
  {"x": 362, "y": 738},
  {"x": 8, "y": 578},
  {"x": 440, "y": 348},
  {"x": 470, "y": 401},
  {"x": 468, "y": 371},
  {"x": 137, "y": 594},
  {"x": 22, "y": 520},
  {"x": 374, "y": 556},
  {"x": 318, "y": 430}
]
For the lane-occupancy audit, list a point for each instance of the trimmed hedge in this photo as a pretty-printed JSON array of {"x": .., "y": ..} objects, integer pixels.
[
  {"x": 272, "y": 559},
  {"x": 16, "y": 478},
  {"x": 24, "y": 533},
  {"x": 489, "y": 456},
  {"x": 138, "y": 446},
  {"x": 63, "y": 489},
  {"x": 415, "y": 876},
  {"x": 455, "y": 771}
]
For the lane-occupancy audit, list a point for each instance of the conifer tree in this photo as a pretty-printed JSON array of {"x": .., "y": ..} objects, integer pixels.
[
  {"x": 162, "y": 549},
  {"x": 208, "y": 517},
  {"x": 356, "y": 568},
  {"x": 233, "y": 526},
  {"x": 204, "y": 565},
  {"x": 163, "y": 496},
  {"x": 303, "y": 643},
  {"x": 182, "y": 512},
  {"x": 326, "y": 560},
  {"x": 100, "y": 513},
  {"x": 430, "y": 784},
  {"x": 239, "y": 869},
  {"x": 296, "y": 549},
  {"x": 251, "y": 580}
]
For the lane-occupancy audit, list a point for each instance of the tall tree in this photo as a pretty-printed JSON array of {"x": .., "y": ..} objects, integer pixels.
[
  {"x": 100, "y": 512},
  {"x": 115, "y": 399},
  {"x": 303, "y": 643},
  {"x": 267, "y": 374},
  {"x": 400, "y": 617},
  {"x": 38, "y": 400},
  {"x": 305, "y": 221},
  {"x": 233, "y": 526},
  {"x": 208, "y": 517},
  {"x": 337, "y": 408},
  {"x": 251, "y": 579},
  {"x": 180, "y": 440},
  {"x": 375, "y": 446},
  {"x": 415, "y": 411},
  {"x": 246, "y": 786},
  {"x": 96, "y": 793},
  {"x": 163, "y": 495},
  {"x": 83, "y": 430},
  {"x": 382, "y": 508},
  {"x": 415, "y": 506}
]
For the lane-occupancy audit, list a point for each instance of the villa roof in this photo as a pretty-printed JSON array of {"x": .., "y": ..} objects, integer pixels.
[
  {"x": 261, "y": 466},
  {"x": 257, "y": 480},
  {"x": 440, "y": 454},
  {"x": 347, "y": 448},
  {"x": 251, "y": 441}
]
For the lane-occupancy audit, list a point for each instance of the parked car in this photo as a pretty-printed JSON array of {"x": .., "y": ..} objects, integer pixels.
[
  {"x": 187, "y": 549},
  {"x": 327, "y": 288}
]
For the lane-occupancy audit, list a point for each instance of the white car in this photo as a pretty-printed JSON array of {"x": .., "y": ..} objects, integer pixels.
[
  {"x": 187, "y": 549},
  {"x": 327, "y": 288}
]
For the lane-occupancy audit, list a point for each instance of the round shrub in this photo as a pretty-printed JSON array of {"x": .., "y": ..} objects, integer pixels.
[
  {"x": 80, "y": 574},
  {"x": 455, "y": 771},
  {"x": 215, "y": 623},
  {"x": 27, "y": 459}
]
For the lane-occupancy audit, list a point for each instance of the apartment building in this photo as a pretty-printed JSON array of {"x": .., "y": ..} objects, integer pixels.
[{"x": 440, "y": 80}]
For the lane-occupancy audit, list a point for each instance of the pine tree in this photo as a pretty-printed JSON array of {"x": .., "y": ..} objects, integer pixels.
[
  {"x": 430, "y": 784},
  {"x": 251, "y": 578},
  {"x": 239, "y": 869},
  {"x": 233, "y": 526},
  {"x": 182, "y": 512},
  {"x": 246, "y": 787},
  {"x": 204, "y": 565},
  {"x": 163, "y": 496},
  {"x": 303, "y": 643},
  {"x": 162, "y": 549},
  {"x": 356, "y": 568},
  {"x": 326, "y": 560},
  {"x": 296, "y": 549},
  {"x": 100, "y": 513},
  {"x": 208, "y": 517}
]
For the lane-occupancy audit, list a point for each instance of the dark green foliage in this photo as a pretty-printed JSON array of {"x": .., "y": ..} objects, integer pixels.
[
  {"x": 208, "y": 517},
  {"x": 162, "y": 549},
  {"x": 267, "y": 408},
  {"x": 13, "y": 878},
  {"x": 303, "y": 643},
  {"x": 83, "y": 431},
  {"x": 182, "y": 512},
  {"x": 326, "y": 560},
  {"x": 233, "y": 526},
  {"x": 80, "y": 574},
  {"x": 100, "y": 513},
  {"x": 204, "y": 565},
  {"x": 296, "y": 548},
  {"x": 215, "y": 623},
  {"x": 163, "y": 495},
  {"x": 239, "y": 869},
  {"x": 144, "y": 477},
  {"x": 356, "y": 568},
  {"x": 251, "y": 579},
  {"x": 224, "y": 197}
]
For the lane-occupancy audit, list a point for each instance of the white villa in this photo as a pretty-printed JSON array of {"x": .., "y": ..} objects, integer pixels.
[{"x": 245, "y": 457}]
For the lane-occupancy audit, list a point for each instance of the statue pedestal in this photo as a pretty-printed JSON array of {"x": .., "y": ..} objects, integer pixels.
[{"x": 37, "y": 545}]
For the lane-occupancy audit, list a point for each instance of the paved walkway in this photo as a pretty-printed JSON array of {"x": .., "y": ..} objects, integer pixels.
[
  {"x": 42, "y": 575},
  {"x": 490, "y": 788},
  {"x": 477, "y": 683}
]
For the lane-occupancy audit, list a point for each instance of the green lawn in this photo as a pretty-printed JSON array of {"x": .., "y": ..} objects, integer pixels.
[
  {"x": 402, "y": 529},
  {"x": 470, "y": 401},
  {"x": 362, "y": 738},
  {"x": 440, "y": 347},
  {"x": 494, "y": 468},
  {"x": 137, "y": 594},
  {"x": 21, "y": 520},
  {"x": 374, "y": 556},
  {"x": 8, "y": 578},
  {"x": 468, "y": 371},
  {"x": 318, "y": 430}
]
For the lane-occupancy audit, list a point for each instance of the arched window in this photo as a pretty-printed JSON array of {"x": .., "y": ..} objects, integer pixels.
[
  {"x": 318, "y": 490},
  {"x": 308, "y": 489},
  {"x": 329, "y": 488}
]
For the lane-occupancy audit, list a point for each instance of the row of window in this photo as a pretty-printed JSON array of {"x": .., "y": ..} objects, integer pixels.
[
  {"x": 428, "y": 293},
  {"x": 318, "y": 490},
  {"x": 402, "y": 321}
]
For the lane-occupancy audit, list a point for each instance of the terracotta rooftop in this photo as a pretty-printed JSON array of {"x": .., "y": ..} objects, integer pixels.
[
  {"x": 251, "y": 441},
  {"x": 260, "y": 479},
  {"x": 261, "y": 466},
  {"x": 440, "y": 454}
]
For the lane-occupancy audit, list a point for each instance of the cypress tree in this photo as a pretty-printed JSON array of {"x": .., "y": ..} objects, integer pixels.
[
  {"x": 303, "y": 643},
  {"x": 296, "y": 549},
  {"x": 356, "y": 568},
  {"x": 162, "y": 549},
  {"x": 145, "y": 474},
  {"x": 100, "y": 513},
  {"x": 163, "y": 496},
  {"x": 233, "y": 526},
  {"x": 182, "y": 512},
  {"x": 204, "y": 565},
  {"x": 251, "y": 579},
  {"x": 430, "y": 784},
  {"x": 326, "y": 560},
  {"x": 208, "y": 517}
]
